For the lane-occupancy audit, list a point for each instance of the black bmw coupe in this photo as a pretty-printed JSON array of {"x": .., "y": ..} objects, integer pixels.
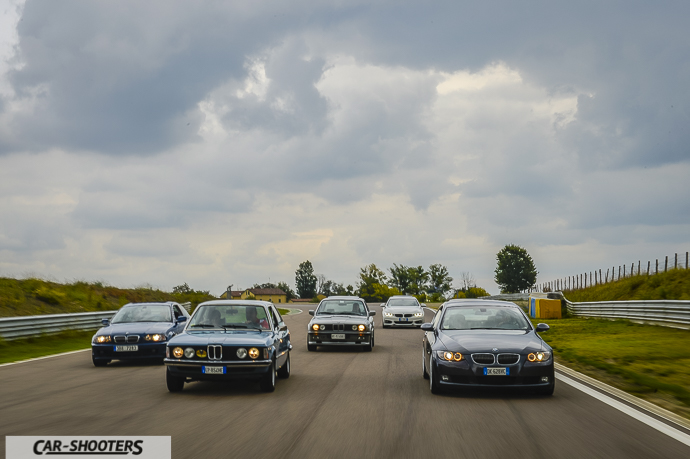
[{"x": 484, "y": 343}]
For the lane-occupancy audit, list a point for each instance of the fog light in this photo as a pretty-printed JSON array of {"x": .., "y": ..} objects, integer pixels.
[
  {"x": 241, "y": 353},
  {"x": 444, "y": 378},
  {"x": 189, "y": 353},
  {"x": 544, "y": 379}
]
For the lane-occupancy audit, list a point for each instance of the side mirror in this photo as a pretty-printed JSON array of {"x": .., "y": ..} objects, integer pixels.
[
  {"x": 383, "y": 305},
  {"x": 105, "y": 322},
  {"x": 427, "y": 326},
  {"x": 542, "y": 327},
  {"x": 311, "y": 312},
  {"x": 424, "y": 305},
  {"x": 181, "y": 319},
  {"x": 282, "y": 326},
  {"x": 372, "y": 313}
]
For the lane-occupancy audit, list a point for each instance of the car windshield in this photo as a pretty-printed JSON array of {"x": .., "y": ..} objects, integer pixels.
[
  {"x": 341, "y": 307},
  {"x": 484, "y": 318},
  {"x": 143, "y": 313},
  {"x": 403, "y": 302},
  {"x": 230, "y": 316}
]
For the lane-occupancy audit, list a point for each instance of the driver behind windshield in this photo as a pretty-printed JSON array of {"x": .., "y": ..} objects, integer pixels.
[{"x": 253, "y": 319}]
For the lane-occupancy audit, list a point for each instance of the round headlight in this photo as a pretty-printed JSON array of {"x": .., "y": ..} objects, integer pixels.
[
  {"x": 178, "y": 352},
  {"x": 457, "y": 356},
  {"x": 362, "y": 328},
  {"x": 241, "y": 353},
  {"x": 448, "y": 355},
  {"x": 201, "y": 353},
  {"x": 189, "y": 353},
  {"x": 147, "y": 337},
  {"x": 158, "y": 337},
  {"x": 315, "y": 327},
  {"x": 531, "y": 357},
  {"x": 322, "y": 327},
  {"x": 103, "y": 339},
  {"x": 354, "y": 327},
  {"x": 254, "y": 353}
]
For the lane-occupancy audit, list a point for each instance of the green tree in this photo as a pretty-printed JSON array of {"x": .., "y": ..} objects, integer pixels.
[
  {"x": 290, "y": 294},
  {"x": 400, "y": 277},
  {"x": 305, "y": 280},
  {"x": 474, "y": 292},
  {"x": 371, "y": 280},
  {"x": 184, "y": 288},
  {"x": 439, "y": 280},
  {"x": 515, "y": 270},
  {"x": 418, "y": 279}
]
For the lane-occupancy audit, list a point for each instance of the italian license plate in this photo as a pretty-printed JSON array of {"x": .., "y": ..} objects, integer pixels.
[
  {"x": 496, "y": 371},
  {"x": 338, "y": 336},
  {"x": 126, "y": 348},
  {"x": 403, "y": 319},
  {"x": 213, "y": 370}
]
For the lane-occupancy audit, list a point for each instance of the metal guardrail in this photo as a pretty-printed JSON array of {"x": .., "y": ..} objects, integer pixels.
[
  {"x": 670, "y": 313},
  {"x": 507, "y": 297},
  {"x": 26, "y": 326}
]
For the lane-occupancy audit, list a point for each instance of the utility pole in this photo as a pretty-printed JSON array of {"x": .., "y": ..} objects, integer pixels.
[{"x": 229, "y": 293}]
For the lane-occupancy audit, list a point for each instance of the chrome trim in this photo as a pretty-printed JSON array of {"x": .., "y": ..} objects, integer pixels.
[
  {"x": 493, "y": 358},
  {"x": 251, "y": 363},
  {"x": 125, "y": 339},
  {"x": 217, "y": 353}
]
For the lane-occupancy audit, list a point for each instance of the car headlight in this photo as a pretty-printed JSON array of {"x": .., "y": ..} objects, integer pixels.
[
  {"x": 189, "y": 353},
  {"x": 419, "y": 314},
  {"x": 315, "y": 327},
  {"x": 254, "y": 353},
  {"x": 354, "y": 327},
  {"x": 541, "y": 356},
  {"x": 362, "y": 327},
  {"x": 449, "y": 356},
  {"x": 201, "y": 353},
  {"x": 156, "y": 338},
  {"x": 241, "y": 353},
  {"x": 178, "y": 352},
  {"x": 102, "y": 339},
  {"x": 388, "y": 314}
]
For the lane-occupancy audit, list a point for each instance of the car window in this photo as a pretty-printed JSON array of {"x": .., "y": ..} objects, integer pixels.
[
  {"x": 484, "y": 318},
  {"x": 341, "y": 307},
  {"x": 178, "y": 312},
  {"x": 403, "y": 302},
  {"x": 143, "y": 313},
  {"x": 273, "y": 316},
  {"x": 230, "y": 316},
  {"x": 438, "y": 315},
  {"x": 280, "y": 318}
]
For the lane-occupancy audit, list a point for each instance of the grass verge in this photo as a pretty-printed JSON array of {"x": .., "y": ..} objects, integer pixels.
[
  {"x": 650, "y": 362},
  {"x": 40, "y": 346}
]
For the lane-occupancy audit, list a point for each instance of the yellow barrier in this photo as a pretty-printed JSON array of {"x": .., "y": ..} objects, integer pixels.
[{"x": 543, "y": 308}]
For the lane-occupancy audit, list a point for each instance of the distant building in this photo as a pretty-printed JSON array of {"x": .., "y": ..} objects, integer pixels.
[{"x": 274, "y": 295}]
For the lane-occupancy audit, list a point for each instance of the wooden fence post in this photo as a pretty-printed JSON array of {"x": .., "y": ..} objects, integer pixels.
[
  {"x": 623, "y": 271},
  {"x": 649, "y": 266},
  {"x": 600, "y": 275},
  {"x": 675, "y": 265},
  {"x": 666, "y": 264},
  {"x": 639, "y": 263},
  {"x": 657, "y": 266}
]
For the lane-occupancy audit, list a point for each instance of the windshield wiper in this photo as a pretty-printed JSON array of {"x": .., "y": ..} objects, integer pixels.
[
  {"x": 203, "y": 325},
  {"x": 485, "y": 328}
]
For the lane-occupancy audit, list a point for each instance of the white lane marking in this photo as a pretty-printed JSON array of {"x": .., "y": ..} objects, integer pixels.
[
  {"x": 650, "y": 421},
  {"x": 45, "y": 357},
  {"x": 293, "y": 311}
]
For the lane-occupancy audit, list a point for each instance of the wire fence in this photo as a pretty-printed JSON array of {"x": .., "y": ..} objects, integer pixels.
[{"x": 598, "y": 277}]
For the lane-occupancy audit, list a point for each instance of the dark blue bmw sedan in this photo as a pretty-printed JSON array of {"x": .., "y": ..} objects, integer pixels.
[
  {"x": 230, "y": 339},
  {"x": 137, "y": 331},
  {"x": 484, "y": 343}
]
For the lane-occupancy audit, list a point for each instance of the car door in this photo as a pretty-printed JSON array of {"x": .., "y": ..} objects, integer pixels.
[
  {"x": 430, "y": 336},
  {"x": 177, "y": 312},
  {"x": 370, "y": 318},
  {"x": 282, "y": 339}
]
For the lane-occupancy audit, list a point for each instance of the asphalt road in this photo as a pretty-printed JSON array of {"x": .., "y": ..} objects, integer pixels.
[{"x": 340, "y": 403}]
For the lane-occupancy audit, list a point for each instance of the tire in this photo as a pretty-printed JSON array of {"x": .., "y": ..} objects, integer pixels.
[
  {"x": 268, "y": 381},
  {"x": 174, "y": 383},
  {"x": 547, "y": 390},
  {"x": 433, "y": 380},
  {"x": 99, "y": 362},
  {"x": 284, "y": 371},
  {"x": 370, "y": 347},
  {"x": 425, "y": 374},
  {"x": 311, "y": 347}
]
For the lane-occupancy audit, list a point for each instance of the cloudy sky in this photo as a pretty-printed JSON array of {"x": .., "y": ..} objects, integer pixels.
[{"x": 219, "y": 142}]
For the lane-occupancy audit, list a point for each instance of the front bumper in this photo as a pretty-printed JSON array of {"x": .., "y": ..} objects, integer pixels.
[
  {"x": 144, "y": 350},
  {"x": 469, "y": 374},
  {"x": 192, "y": 369},
  {"x": 401, "y": 322},
  {"x": 351, "y": 339}
]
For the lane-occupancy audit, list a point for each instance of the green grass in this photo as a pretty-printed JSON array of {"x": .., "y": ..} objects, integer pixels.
[
  {"x": 40, "y": 346},
  {"x": 671, "y": 285},
  {"x": 648, "y": 361},
  {"x": 25, "y": 297},
  {"x": 283, "y": 311}
]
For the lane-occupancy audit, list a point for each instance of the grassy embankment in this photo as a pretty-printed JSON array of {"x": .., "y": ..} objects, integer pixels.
[{"x": 651, "y": 362}]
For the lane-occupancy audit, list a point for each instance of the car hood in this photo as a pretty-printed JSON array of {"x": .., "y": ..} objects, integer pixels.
[
  {"x": 136, "y": 328},
  {"x": 228, "y": 338},
  {"x": 338, "y": 319},
  {"x": 402, "y": 310},
  {"x": 471, "y": 341}
]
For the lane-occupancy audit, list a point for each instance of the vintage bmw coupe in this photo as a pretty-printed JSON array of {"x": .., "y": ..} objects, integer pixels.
[
  {"x": 402, "y": 311},
  {"x": 137, "y": 331},
  {"x": 341, "y": 321},
  {"x": 484, "y": 343},
  {"x": 227, "y": 340}
]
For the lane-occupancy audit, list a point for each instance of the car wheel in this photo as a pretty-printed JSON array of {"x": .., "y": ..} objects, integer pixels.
[
  {"x": 311, "y": 347},
  {"x": 424, "y": 372},
  {"x": 99, "y": 362},
  {"x": 268, "y": 381},
  {"x": 433, "y": 380},
  {"x": 175, "y": 383},
  {"x": 370, "y": 347},
  {"x": 284, "y": 371}
]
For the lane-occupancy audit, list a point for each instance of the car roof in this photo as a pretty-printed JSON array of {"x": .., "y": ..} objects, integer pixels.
[
  {"x": 343, "y": 297},
  {"x": 406, "y": 297},
  {"x": 477, "y": 302},
  {"x": 236, "y": 303},
  {"x": 152, "y": 303}
]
